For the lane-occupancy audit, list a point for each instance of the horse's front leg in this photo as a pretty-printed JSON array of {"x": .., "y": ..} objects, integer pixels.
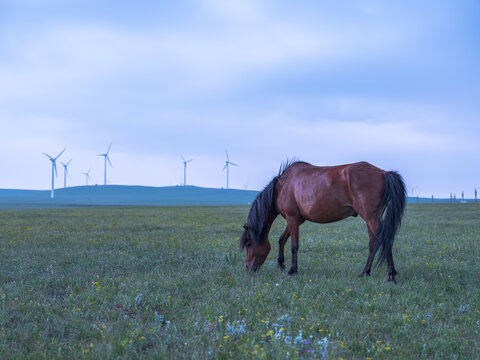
[
  {"x": 281, "y": 246},
  {"x": 295, "y": 244}
]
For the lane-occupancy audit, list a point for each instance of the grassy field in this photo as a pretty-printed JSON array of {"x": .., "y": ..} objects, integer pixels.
[{"x": 170, "y": 283}]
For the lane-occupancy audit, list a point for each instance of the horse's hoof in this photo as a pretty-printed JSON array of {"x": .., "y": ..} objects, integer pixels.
[
  {"x": 281, "y": 266},
  {"x": 363, "y": 273},
  {"x": 292, "y": 271}
]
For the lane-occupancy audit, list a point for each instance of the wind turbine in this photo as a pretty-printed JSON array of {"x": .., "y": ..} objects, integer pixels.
[
  {"x": 185, "y": 162},
  {"x": 105, "y": 168},
  {"x": 87, "y": 176},
  {"x": 54, "y": 170},
  {"x": 65, "y": 172},
  {"x": 412, "y": 188},
  {"x": 227, "y": 165}
]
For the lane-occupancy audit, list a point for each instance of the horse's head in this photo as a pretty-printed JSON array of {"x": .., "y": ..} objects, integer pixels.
[{"x": 256, "y": 251}]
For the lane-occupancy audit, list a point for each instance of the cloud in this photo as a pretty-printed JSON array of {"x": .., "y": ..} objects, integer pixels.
[{"x": 330, "y": 83}]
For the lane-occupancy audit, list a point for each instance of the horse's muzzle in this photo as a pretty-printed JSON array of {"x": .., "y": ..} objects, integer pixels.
[{"x": 253, "y": 266}]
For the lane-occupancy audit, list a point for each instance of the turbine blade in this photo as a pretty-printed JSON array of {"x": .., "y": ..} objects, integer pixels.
[
  {"x": 47, "y": 156},
  {"x": 189, "y": 161},
  {"x": 106, "y": 157},
  {"x": 59, "y": 154},
  {"x": 182, "y": 158},
  {"x": 69, "y": 162},
  {"x": 55, "y": 167},
  {"x": 233, "y": 164},
  {"x": 226, "y": 164},
  {"x": 109, "y": 146},
  {"x": 226, "y": 152}
]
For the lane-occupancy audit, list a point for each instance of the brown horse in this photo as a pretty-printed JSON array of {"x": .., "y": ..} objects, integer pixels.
[{"x": 325, "y": 194}]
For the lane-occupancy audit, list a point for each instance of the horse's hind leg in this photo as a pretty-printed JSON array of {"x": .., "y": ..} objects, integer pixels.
[
  {"x": 372, "y": 230},
  {"x": 281, "y": 246},
  {"x": 391, "y": 267}
]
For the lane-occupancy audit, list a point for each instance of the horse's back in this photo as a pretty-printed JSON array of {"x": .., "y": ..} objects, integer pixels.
[{"x": 327, "y": 193}]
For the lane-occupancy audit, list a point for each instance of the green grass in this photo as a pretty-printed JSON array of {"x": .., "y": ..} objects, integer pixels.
[{"x": 170, "y": 283}]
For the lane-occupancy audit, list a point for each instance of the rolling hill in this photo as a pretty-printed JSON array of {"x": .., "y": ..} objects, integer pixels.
[
  {"x": 124, "y": 195},
  {"x": 121, "y": 195}
]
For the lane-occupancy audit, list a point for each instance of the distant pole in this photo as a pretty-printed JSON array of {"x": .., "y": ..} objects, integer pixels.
[
  {"x": 475, "y": 194},
  {"x": 454, "y": 198},
  {"x": 451, "y": 198},
  {"x": 432, "y": 199},
  {"x": 462, "y": 196}
]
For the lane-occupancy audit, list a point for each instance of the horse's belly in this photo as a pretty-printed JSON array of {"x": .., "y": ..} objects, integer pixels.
[
  {"x": 325, "y": 210},
  {"x": 324, "y": 217}
]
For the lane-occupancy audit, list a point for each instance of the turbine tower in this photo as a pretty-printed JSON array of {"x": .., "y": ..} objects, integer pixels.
[
  {"x": 65, "y": 172},
  {"x": 413, "y": 189},
  {"x": 54, "y": 170},
  {"x": 87, "y": 176},
  {"x": 227, "y": 165},
  {"x": 185, "y": 162},
  {"x": 105, "y": 165}
]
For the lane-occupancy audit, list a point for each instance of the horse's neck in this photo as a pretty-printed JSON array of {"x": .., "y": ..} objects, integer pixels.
[{"x": 268, "y": 224}]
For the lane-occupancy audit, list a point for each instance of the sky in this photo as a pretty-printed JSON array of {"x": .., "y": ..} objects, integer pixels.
[{"x": 396, "y": 84}]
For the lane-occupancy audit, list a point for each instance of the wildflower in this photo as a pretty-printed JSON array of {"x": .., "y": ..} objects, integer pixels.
[
  {"x": 285, "y": 318},
  {"x": 158, "y": 318},
  {"x": 298, "y": 339},
  {"x": 138, "y": 299},
  {"x": 323, "y": 344}
]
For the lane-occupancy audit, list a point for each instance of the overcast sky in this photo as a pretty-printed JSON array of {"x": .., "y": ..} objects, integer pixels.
[{"x": 394, "y": 83}]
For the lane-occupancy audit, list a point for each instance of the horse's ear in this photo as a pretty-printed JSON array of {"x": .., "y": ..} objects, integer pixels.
[{"x": 245, "y": 227}]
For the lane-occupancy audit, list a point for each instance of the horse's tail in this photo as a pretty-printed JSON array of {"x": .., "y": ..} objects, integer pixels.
[{"x": 390, "y": 210}]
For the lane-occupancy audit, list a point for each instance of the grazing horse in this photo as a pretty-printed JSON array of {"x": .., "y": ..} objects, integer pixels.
[{"x": 324, "y": 194}]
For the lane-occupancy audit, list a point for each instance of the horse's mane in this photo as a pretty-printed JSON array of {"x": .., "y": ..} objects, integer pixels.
[{"x": 261, "y": 209}]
